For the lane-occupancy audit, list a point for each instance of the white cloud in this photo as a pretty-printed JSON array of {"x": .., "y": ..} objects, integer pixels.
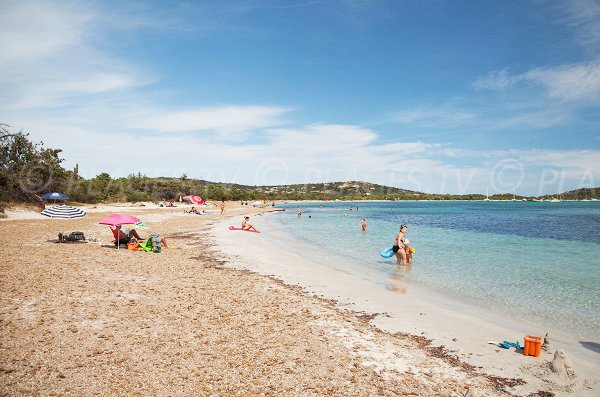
[
  {"x": 495, "y": 80},
  {"x": 584, "y": 17},
  {"x": 324, "y": 153},
  {"x": 224, "y": 118},
  {"x": 576, "y": 82},
  {"x": 51, "y": 56},
  {"x": 33, "y": 29},
  {"x": 580, "y": 82},
  {"x": 434, "y": 116}
]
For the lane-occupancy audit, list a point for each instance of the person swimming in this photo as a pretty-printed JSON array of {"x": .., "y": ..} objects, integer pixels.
[{"x": 399, "y": 246}]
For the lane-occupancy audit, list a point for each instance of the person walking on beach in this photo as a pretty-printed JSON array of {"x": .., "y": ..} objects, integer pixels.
[
  {"x": 398, "y": 246},
  {"x": 363, "y": 224},
  {"x": 246, "y": 225},
  {"x": 222, "y": 206}
]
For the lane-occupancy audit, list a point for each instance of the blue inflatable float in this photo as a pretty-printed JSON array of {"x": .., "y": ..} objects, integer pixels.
[{"x": 387, "y": 252}]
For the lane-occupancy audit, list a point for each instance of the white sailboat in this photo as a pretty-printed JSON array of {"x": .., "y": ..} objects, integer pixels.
[
  {"x": 487, "y": 196},
  {"x": 554, "y": 199}
]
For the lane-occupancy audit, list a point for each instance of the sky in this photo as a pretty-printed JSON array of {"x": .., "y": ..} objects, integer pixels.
[{"x": 435, "y": 96}]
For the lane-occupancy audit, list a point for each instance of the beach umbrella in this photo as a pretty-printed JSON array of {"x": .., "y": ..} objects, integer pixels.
[
  {"x": 137, "y": 225},
  {"x": 64, "y": 212},
  {"x": 119, "y": 220},
  {"x": 55, "y": 196},
  {"x": 194, "y": 199}
]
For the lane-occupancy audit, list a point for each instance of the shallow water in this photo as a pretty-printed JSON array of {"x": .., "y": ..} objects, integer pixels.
[{"x": 537, "y": 262}]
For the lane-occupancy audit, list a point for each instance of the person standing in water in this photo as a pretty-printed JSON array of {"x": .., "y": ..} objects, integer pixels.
[
  {"x": 299, "y": 211},
  {"x": 363, "y": 224},
  {"x": 399, "y": 246},
  {"x": 408, "y": 250}
]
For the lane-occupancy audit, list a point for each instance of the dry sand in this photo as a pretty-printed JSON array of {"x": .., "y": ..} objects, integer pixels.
[{"x": 86, "y": 319}]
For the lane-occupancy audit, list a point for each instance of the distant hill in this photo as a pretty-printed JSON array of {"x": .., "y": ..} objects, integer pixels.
[
  {"x": 355, "y": 189},
  {"x": 577, "y": 194}
]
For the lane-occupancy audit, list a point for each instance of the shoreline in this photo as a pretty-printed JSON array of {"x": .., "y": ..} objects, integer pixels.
[
  {"x": 82, "y": 319},
  {"x": 401, "y": 307},
  {"x": 212, "y": 316},
  {"x": 436, "y": 296}
]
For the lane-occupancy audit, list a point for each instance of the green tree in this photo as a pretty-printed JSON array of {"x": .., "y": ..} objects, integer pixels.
[{"x": 27, "y": 169}]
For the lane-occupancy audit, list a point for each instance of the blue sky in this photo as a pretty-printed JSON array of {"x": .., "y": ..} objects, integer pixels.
[{"x": 437, "y": 96}]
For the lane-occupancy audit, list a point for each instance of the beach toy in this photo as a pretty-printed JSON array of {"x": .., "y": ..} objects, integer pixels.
[
  {"x": 412, "y": 250},
  {"x": 387, "y": 252},
  {"x": 243, "y": 230},
  {"x": 507, "y": 345},
  {"x": 533, "y": 345}
]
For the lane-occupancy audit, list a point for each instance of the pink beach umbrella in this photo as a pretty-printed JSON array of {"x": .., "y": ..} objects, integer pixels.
[
  {"x": 194, "y": 199},
  {"x": 119, "y": 220}
]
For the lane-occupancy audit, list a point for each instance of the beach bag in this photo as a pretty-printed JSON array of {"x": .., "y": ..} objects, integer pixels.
[
  {"x": 133, "y": 245},
  {"x": 76, "y": 236},
  {"x": 156, "y": 243}
]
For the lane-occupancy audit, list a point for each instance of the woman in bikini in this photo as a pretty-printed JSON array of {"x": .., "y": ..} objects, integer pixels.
[
  {"x": 398, "y": 247},
  {"x": 246, "y": 225}
]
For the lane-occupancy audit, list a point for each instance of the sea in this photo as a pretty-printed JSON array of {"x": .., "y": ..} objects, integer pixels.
[{"x": 532, "y": 261}]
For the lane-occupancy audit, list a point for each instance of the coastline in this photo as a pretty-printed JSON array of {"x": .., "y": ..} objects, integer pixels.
[
  {"x": 216, "y": 315},
  {"x": 397, "y": 306},
  {"x": 83, "y": 319}
]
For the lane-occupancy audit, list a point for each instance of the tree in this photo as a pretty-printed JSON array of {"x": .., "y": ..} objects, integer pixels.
[{"x": 27, "y": 169}]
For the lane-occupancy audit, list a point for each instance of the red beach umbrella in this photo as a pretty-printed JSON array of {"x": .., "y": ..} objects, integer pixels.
[{"x": 194, "y": 199}]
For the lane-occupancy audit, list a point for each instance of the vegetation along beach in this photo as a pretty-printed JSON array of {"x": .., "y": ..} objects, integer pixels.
[{"x": 299, "y": 198}]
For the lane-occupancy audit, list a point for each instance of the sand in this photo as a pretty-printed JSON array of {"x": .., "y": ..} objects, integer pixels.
[{"x": 87, "y": 319}]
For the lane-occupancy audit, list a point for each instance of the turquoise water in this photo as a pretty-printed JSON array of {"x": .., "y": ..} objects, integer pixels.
[{"x": 538, "y": 262}]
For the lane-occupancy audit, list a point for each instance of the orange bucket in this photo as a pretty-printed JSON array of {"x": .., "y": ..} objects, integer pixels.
[{"x": 533, "y": 345}]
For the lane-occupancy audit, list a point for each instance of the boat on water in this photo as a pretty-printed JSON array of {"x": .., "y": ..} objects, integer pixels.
[
  {"x": 487, "y": 196},
  {"x": 553, "y": 200}
]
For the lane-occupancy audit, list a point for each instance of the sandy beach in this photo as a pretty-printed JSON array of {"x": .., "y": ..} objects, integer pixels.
[{"x": 229, "y": 313}]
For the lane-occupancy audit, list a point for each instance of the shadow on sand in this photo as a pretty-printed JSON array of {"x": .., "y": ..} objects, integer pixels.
[{"x": 593, "y": 346}]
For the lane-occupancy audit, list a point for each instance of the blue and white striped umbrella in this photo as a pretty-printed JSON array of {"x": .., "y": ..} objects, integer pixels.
[{"x": 64, "y": 212}]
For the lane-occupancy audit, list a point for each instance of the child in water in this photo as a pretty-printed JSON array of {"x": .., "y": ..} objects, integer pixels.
[{"x": 409, "y": 251}]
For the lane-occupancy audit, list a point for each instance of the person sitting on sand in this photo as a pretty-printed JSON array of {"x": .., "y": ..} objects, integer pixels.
[
  {"x": 124, "y": 238},
  {"x": 398, "y": 246},
  {"x": 246, "y": 225},
  {"x": 363, "y": 224},
  {"x": 194, "y": 211}
]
